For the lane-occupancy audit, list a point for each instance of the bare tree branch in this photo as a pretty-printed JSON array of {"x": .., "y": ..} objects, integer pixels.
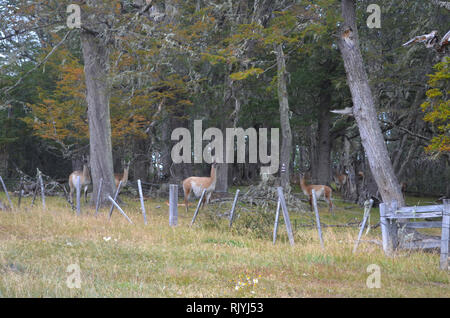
[
  {"x": 8, "y": 89},
  {"x": 443, "y": 4}
]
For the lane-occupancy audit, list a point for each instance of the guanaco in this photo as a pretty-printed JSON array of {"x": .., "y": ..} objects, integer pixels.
[
  {"x": 198, "y": 184},
  {"x": 319, "y": 189},
  {"x": 340, "y": 179},
  {"x": 122, "y": 176},
  {"x": 85, "y": 180}
]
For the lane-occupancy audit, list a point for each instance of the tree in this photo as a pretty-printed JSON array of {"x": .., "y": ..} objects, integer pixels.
[
  {"x": 286, "y": 134},
  {"x": 437, "y": 108},
  {"x": 364, "y": 109}
]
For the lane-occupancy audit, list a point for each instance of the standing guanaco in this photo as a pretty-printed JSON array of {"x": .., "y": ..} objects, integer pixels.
[
  {"x": 340, "y": 179},
  {"x": 85, "y": 180},
  {"x": 122, "y": 176},
  {"x": 198, "y": 184},
  {"x": 319, "y": 189}
]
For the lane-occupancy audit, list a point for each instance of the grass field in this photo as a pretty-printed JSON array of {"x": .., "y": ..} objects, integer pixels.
[{"x": 118, "y": 259}]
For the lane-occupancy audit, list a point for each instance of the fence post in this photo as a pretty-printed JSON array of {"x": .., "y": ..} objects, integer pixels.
[
  {"x": 233, "y": 207},
  {"x": 286, "y": 215},
  {"x": 316, "y": 212},
  {"x": 36, "y": 188},
  {"x": 20, "y": 198},
  {"x": 6, "y": 192},
  {"x": 198, "y": 206},
  {"x": 141, "y": 196},
  {"x": 119, "y": 208},
  {"x": 385, "y": 229},
  {"x": 277, "y": 216},
  {"x": 42, "y": 188},
  {"x": 20, "y": 192},
  {"x": 393, "y": 226},
  {"x": 97, "y": 203},
  {"x": 173, "y": 205},
  {"x": 367, "y": 207},
  {"x": 115, "y": 198},
  {"x": 445, "y": 235},
  {"x": 78, "y": 187}
]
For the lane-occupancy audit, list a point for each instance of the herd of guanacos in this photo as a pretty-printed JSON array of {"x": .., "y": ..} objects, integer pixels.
[{"x": 198, "y": 184}]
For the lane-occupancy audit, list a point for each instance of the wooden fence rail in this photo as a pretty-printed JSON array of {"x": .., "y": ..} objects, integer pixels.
[{"x": 390, "y": 227}]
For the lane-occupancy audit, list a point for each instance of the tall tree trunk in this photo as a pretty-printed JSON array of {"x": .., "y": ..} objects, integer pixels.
[
  {"x": 286, "y": 133},
  {"x": 311, "y": 157},
  {"x": 324, "y": 142},
  {"x": 166, "y": 159},
  {"x": 4, "y": 158},
  {"x": 349, "y": 190},
  {"x": 223, "y": 169},
  {"x": 96, "y": 65},
  {"x": 364, "y": 109},
  {"x": 141, "y": 160},
  {"x": 229, "y": 102}
]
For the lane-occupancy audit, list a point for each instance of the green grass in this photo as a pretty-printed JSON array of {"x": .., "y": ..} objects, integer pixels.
[{"x": 206, "y": 260}]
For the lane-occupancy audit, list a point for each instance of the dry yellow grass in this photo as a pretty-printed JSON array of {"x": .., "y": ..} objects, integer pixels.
[{"x": 117, "y": 259}]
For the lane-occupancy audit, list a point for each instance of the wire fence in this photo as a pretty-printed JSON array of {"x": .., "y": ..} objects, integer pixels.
[{"x": 353, "y": 214}]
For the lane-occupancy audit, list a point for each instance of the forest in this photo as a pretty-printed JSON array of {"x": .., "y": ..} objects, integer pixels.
[
  {"x": 257, "y": 108},
  {"x": 248, "y": 64}
]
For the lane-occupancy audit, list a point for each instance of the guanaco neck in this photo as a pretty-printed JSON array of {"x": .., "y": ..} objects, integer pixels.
[
  {"x": 86, "y": 175},
  {"x": 213, "y": 173},
  {"x": 303, "y": 184},
  {"x": 125, "y": 174}
]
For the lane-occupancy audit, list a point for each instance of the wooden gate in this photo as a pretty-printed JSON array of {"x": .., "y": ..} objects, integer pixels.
[{"x": 390, "y": 227}]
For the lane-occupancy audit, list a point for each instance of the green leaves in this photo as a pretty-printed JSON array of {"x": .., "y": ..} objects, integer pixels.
[
  {"x": 239, "y": 76},
  {"x": 437, "y": 108}
]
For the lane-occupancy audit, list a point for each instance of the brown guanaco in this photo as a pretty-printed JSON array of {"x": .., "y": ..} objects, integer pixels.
[
  {"x": 198, "y": 184},
  {"x": 319, "y": 189},
  {"x": 85, "y": 180}
]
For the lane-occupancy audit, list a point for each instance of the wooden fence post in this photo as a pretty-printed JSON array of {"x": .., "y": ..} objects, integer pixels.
[
  {"x": 141, "y": 196},
  {"x": 393, "y": 226},
  {"x": 119, "y": 208},
  {"x": 277, "y": 216},
  {"x": 367, "y": 206},
  {"x": 316, "y": 212},
  {"x": 445, "y": 235},
  {"x": 385, "y": 229},
  {"x": 97, "y": 203},
  {"x": 173, "y": 205},
  {"x": 233, "y": 207},
  {"x": 78, "y": 188},
  {"x": 286, "y": 215},
  {"x": 115, "y": 198},
  {"x": 20, "y": 192},
  {"x": 42, "y": 188},
  {"x": 20, "y": 198},
  {"x": 198, "y": 206},
  {"x": 6, "y": 192},
  {"x": 35, "y": 193}
]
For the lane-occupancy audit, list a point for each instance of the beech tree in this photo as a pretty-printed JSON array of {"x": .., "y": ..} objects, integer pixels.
[
  {"x": 158, "y": 65},
  {"x": 364, "y": 109}
]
